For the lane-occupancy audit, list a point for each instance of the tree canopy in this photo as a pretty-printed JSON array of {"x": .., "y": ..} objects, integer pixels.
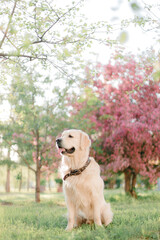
[{"x": 125, "y": 116}]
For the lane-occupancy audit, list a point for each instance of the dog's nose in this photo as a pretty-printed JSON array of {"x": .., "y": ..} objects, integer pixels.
[{"x": 58, "y": 140}]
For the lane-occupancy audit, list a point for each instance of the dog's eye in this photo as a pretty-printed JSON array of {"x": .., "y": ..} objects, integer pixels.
[{"x": 70, "y": 136}]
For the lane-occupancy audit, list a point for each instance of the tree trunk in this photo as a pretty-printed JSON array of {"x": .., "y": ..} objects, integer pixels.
[
  {"x": 37, "y": 193},
  {"x": 38, "y": 169},
  {"x": 8, "y": 173},
  {"x": 20, "y": 181},
  {"x": 130, "y": 182},
  {"x": 133, "y": 185},
  {"x": 158, "y": 184},
  {"x": 127, "y": 175},
  {"x": 49, "y": 184},
  {"x": 28, "y": 180},
  {"x": 8, "y": 179}
]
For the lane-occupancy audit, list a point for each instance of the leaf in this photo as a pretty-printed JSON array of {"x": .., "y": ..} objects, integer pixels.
[
  {"x": 27, "y": 40},
  {"x": 135, "y": 7},
  {"x": 66, "y": 52},
  {"x": 123, "y": 37},
  {"x": 156, "y": 76},
  {"x": 106, "y": 116}
]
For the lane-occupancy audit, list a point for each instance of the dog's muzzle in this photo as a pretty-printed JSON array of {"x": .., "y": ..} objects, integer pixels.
[{"x": 62, "y": 149}]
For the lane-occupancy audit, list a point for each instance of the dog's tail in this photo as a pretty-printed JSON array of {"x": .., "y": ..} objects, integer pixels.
[{"x": 107, "y": 214}]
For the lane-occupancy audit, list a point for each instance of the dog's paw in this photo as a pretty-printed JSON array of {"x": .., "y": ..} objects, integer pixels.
[{"x": 69, "y": 228}]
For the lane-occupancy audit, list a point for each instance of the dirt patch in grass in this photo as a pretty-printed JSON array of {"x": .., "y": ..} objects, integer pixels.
[{"x": 7, "y": 203}]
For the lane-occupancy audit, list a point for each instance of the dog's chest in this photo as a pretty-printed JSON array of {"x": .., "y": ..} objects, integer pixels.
[{"x": 78, "y": 191}]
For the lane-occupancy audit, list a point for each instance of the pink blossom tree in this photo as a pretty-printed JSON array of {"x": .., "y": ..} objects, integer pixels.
[{"x": 126, "y": 118}]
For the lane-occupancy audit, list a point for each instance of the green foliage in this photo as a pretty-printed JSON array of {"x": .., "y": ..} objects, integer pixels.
[
  {"x": 31, "y": 125},
  {"x": 123, "y": 37},
  {"x": 156, "y": 76},
  {"x": 58, "y": 180},
  {"x": 90, "y": 101},
  {"x": 135, "y": 7},
  {"x": 19, "y": 176},
  {"x": 52, "y": 34},
  {"x": 133, "y": 219},
  {"x": 9, "y": 163},
  {"x": 43, "y": 182}
]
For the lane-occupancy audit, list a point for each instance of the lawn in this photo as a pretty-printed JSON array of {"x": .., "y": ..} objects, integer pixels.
[{"x": 23, "y": 219}]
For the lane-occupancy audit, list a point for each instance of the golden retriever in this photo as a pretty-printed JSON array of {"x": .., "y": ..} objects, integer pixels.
[{"x": 82, "y": 184}]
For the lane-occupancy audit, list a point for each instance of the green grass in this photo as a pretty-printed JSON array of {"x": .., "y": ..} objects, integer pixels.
[{"x": 24, "y": 219}]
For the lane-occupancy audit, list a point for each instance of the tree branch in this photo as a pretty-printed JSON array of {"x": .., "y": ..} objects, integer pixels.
[
  {"x": 58, "y": 19},
  {"x": 25, "y": 161},
  {"x": 22, "y": 55},
  {"x": 9, "y": 22},
  {"x": 57, "y": 42},
  {"x": 10, "y": 41}
]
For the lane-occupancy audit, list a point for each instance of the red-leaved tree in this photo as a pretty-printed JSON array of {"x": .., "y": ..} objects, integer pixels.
[{"x": 126, "y": 118}]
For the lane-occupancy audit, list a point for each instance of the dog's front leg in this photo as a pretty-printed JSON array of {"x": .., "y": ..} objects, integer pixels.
[
  {"x": 97, "y": 212},
  {"x": 71, "y": 215}
]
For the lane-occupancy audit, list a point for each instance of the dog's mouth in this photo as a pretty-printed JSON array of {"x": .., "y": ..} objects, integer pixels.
[{"x": 66, "y": 151}]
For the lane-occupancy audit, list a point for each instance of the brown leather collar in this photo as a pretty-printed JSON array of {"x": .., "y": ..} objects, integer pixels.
[{"x": 77, "y": 171}]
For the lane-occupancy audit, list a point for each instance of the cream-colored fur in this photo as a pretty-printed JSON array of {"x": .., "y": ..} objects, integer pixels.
[{"x": 83, "y": 193}]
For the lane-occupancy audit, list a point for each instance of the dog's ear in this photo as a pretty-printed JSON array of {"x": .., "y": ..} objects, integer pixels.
[{"x": 85, "y": 142}]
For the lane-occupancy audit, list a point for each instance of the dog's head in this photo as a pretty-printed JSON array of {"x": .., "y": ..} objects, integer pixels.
[{"x": 73, "y": 140}]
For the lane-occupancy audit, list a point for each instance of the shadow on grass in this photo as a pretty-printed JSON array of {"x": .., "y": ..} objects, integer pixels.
[{"x": 5, "y": 203}]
